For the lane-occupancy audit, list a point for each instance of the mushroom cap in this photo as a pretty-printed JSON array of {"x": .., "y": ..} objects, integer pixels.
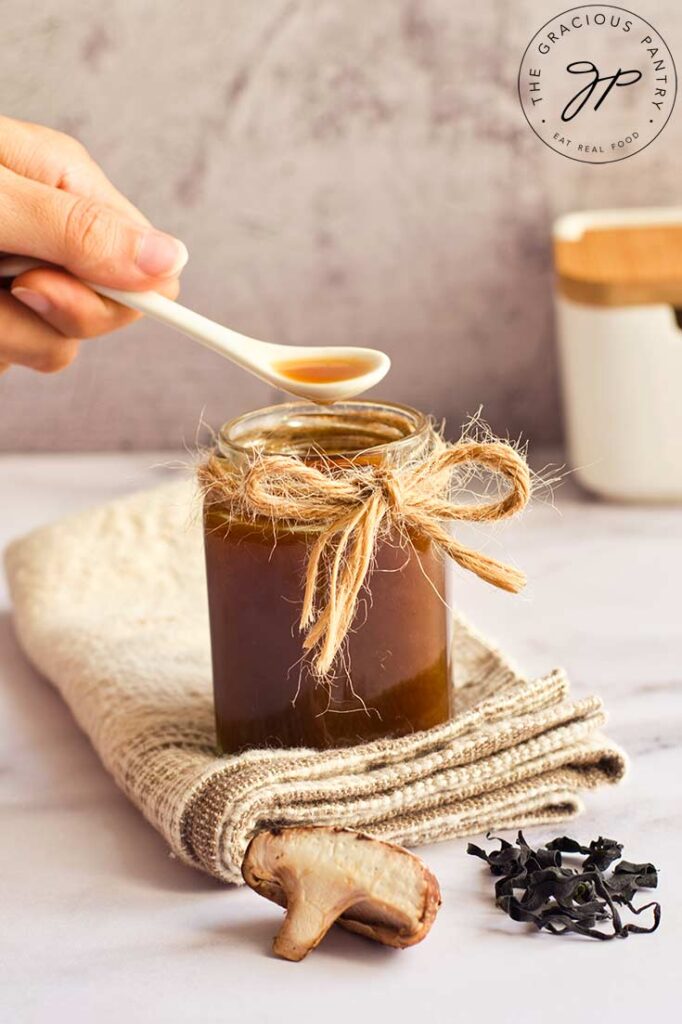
[{"x": 325, "y": 874}]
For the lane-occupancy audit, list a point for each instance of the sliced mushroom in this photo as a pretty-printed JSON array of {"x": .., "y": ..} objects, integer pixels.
[{"x": 323, "y": 875}]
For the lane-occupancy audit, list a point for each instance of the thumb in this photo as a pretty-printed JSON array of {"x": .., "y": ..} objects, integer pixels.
[{"x": 87, "y": 237}]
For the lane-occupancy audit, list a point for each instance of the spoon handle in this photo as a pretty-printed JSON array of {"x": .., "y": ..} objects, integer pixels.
[{"x": 237, "y": 347}]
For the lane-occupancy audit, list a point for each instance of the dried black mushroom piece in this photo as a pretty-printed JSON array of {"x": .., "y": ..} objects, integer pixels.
[{"x": 537, "y": 887}]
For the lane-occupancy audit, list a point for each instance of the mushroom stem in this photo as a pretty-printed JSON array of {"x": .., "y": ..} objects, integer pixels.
[{"x": 312, "y": 908}]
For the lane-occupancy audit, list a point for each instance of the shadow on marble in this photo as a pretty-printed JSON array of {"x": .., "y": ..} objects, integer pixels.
[{"x": 257, "y": 936}]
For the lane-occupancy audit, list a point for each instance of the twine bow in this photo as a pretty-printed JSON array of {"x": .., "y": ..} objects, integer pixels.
[{"x": 352, "y": 505}]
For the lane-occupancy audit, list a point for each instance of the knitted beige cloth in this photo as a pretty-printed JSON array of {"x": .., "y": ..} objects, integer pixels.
[{"x": 110, "y": 605}]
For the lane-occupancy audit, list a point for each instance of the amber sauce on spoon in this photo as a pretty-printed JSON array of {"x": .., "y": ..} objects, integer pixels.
[{"x": 324, "y": 371}]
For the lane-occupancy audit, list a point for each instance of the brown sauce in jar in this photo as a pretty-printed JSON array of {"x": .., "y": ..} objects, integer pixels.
[{"x": 394, "y": 677}]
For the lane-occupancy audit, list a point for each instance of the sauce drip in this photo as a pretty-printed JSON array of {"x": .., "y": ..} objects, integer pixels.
[{"x": 324, "y": 371}]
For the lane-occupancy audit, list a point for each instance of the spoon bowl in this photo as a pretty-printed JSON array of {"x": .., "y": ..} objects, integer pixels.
[
  {"x": 319, "y": 373},
  {"x": 326, "y": 373}
]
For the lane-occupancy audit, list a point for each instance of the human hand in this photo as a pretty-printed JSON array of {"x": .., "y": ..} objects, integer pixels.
[{"x": 57, "y": 205}]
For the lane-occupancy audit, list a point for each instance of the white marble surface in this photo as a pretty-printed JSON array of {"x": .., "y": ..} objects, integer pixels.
[{"x": 97, "y": 923}]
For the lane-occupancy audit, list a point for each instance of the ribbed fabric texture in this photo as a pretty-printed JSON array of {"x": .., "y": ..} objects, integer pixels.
[{"x": 110, "y": 605}]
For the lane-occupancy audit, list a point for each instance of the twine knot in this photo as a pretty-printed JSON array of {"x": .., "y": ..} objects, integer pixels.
[
  {"x": 350, "y": 506},
  {"x": 386, "y": 483}
]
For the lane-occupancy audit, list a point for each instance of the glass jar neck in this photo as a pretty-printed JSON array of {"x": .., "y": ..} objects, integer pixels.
[{"x": 357, "y": 430}]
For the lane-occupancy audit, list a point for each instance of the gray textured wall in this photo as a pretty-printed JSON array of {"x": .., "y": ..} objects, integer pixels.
[{"x": 341, "y": 170}]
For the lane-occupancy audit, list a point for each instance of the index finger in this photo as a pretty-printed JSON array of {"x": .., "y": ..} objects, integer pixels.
[{"x": 53, "y": 158}]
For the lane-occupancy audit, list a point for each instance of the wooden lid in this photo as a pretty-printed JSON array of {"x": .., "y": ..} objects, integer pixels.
[{"x": 620, "y": 257}]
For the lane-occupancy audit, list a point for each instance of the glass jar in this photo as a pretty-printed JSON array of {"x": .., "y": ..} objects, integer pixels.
[{"x": 393, "y": 676}]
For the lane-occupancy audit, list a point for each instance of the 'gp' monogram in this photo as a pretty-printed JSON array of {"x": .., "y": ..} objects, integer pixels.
[{"x": 587, "y": 67}]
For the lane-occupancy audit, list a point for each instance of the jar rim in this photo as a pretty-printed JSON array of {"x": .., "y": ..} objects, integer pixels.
[{"x": 414, "y": 426}]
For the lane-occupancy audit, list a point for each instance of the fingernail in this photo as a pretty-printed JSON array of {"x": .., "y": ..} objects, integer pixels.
[
  {"x": 34, "y": 300},
  {"x": 161, "y": 255}
]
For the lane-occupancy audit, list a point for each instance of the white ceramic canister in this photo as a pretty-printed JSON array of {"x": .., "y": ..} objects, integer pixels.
[{"x": 619, "y": 323}]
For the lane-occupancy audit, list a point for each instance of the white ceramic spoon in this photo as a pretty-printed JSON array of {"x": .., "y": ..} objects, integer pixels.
[{"x": 353, "y": 370}]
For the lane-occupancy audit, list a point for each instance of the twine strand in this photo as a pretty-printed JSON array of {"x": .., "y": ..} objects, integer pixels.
[{"x": 354, "y": 504}]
